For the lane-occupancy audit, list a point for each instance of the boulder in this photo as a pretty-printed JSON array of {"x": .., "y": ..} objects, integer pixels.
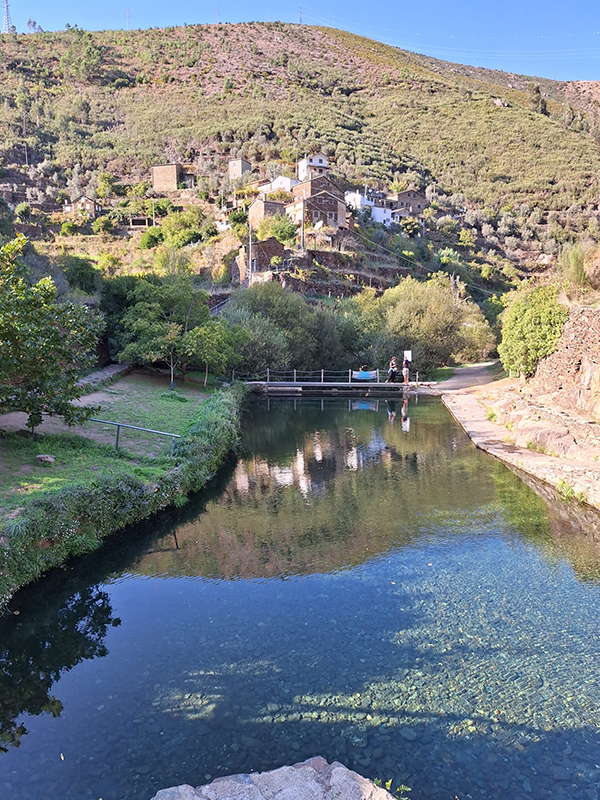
[
  {"x": 45, "y": 459},
  {"x": 314, "y": 779}
]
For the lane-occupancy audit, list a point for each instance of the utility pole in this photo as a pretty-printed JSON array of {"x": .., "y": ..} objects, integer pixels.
[
  {"x": 26, "y": 156},
  {"x": 7, "y": 24},
  {"x": 128, "y": 15},
  {"x": 250, "y": 254},
  {"x": 153, "y": 216},
  {"x": 302, "y": 229},
  {"x": 299, "y": 15}
]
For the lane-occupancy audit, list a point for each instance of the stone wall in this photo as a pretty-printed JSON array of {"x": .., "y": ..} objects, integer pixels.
[{"x": 571, "y": 375}]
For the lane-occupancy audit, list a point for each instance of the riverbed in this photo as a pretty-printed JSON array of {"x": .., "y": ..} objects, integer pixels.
[{"x": 360, "y": 583}]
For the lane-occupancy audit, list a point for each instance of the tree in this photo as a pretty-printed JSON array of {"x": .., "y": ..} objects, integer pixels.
[
  {"x": 45, "y": 345},
  {"x": 156, "y": 326},
  {"x": 411, "y": 227},
  {"x": 467, "y": 238},
  {"x": 102, "y": 225},
  {"x": 23, "y": 212},
  {"x": 213, "y": 345},
  {"x": 531, "y": 328},
  {"x": 282, "y": 228}
]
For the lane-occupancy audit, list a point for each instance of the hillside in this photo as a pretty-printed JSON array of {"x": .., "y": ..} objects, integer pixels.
[{"x": 123, "y": 100}]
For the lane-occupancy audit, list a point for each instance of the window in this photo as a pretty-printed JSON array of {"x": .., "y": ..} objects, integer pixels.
[
  {"x": 418, "y": 206},
  {"x": 315, "y": 215},
  {"x": 320, "y": 161},
  {"x": 320, "y": 200},
  {"x": 330, "y": 215}
]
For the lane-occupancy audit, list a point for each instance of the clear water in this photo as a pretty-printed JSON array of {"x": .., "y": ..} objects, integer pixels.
[{"x": 390, "y": 598}]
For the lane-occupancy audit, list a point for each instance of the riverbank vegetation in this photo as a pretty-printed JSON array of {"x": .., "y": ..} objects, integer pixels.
[{"x": 102, "y": 492}]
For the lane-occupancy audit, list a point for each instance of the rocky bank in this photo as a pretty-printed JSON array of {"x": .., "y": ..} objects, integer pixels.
[{"x": 314, "y": 779}]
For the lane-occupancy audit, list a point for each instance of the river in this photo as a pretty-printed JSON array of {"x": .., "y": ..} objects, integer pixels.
[{"x": 359, "y": 583}]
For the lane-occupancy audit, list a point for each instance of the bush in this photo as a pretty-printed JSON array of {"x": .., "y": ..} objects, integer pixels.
[
  {"x": 23, "y": 212},
  {"x": 531, "y": 328},
  {"x": 81, "y": 274},
  {"x": 151, "y": 238},
  {"x": 68, "y": 229},
  {"x": 102, "y": 225}
]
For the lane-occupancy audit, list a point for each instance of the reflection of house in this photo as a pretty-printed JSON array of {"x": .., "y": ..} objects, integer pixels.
[
  {"x": 83, "y": 207},
  {"x": 169, "y": 177},
  {"x": 313, "y": 166},
  {"x": 262, "y": 208},
  {"x": 238, "y": 167},
  {"x": 262, "y": 253}
]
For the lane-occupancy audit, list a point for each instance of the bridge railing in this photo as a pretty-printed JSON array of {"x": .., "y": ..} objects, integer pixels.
[{"x": 319, "y": 376}]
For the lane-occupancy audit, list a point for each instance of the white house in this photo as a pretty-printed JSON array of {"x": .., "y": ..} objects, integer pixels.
[
  {"x": 281, "y": 182},
  {"x": 313, "y": 166},
  {"x": 379, "y": 212}
]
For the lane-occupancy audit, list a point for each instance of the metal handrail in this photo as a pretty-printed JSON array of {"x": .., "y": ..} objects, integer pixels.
[{"x": 120, "y": 425}]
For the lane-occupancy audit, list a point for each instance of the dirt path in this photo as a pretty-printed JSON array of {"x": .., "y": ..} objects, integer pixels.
[{"x": 465, "y": 377}]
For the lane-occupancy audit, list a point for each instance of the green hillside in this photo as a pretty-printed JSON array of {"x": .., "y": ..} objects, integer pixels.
[{"x": 123, "y": 100}]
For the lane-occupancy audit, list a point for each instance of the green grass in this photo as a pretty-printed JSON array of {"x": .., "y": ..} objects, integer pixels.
[
  {"x": 77, "y": 460},
  {"x": 138, "y": 399},
  {"x": 441, "y": 374},
  {"x": 146, "y": 401}
]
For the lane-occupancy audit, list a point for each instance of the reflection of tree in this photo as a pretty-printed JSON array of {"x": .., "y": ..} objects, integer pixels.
[{"x": 34, "y": 654}]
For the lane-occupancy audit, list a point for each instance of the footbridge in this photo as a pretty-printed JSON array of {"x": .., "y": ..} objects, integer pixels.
[{"x": 320, "y": 381}]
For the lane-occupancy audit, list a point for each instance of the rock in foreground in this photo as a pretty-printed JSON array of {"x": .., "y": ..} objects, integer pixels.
[{"x": 314, "y": 779}]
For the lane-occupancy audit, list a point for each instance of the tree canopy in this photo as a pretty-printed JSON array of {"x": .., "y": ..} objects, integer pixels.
[{"x": 45, "y": 344}]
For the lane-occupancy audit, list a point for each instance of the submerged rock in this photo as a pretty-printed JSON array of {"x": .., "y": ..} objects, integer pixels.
[{"x": 313, "y": 779}]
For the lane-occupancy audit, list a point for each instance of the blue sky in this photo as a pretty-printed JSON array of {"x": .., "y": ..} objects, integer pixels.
[{"x": 550, "y": 39}]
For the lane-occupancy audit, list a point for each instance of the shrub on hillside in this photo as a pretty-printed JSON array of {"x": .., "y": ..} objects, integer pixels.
[
  {"x": 531, "y": 328},
  {"x": 68, "y": 229}
]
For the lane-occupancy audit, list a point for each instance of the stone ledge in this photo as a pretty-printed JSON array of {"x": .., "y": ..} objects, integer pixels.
[{"x": 314, "y": 779}]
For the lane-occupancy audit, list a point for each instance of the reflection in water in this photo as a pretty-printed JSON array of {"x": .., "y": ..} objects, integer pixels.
[
  {"x": 35, "y": 652},
  {"x": 380, "y": 593}
]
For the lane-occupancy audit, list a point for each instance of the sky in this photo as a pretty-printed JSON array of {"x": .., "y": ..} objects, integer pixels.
[{"x": 551, "y": 39}]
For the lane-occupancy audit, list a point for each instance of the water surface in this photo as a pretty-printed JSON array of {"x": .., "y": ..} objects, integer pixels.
[{"x": 361, "y": 583}]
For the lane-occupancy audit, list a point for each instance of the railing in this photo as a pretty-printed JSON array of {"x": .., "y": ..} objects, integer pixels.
[
  {"x": 216, "y": 310},
  {"x": 319, "y": 376},
  {"x": 120, "y": 425}
]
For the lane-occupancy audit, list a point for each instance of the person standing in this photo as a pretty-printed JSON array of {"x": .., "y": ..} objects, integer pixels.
[
  {"x": 392, "y": 370},
  {"x": 405, "y": 369}
]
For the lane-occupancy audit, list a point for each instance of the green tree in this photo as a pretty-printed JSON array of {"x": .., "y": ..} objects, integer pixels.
[
  {"x": 531, "y": 328},
  {"x": 105, "y": 184},
  {"x": 23, "y": 212},
  {"x": 411, "y": 227},
  {"x": 156, "y": 326},
  {"x": 466, "y": 238},
  {"x": 102, "y": 225},
  {"x": 282, "y": 228},
  {"x": 212, "y": 344},
  {"x": 45, "y": 345}
]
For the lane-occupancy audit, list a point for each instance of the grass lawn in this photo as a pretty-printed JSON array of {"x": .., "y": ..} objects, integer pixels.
[
  {"x": 146, "y": 401},
  {"x": 441, "y": 374},
  {"x": 24, "y": 479},
  {"x": 138, "y": 399}
]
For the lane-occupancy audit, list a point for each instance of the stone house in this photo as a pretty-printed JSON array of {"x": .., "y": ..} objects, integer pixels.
[
  {"x": 262, "y": 207},
  {"x": 262, "y": 253},
  {"x": 313, "y": 166},
  {"x": 320, "y": 183},
  {"x": 323, "y": 207},
  {"x": 238, "y": 167},
  {"x": 82, "y": 207},
  {"x": 169, "y": 177},
  {"x": 413, "y": 201}
]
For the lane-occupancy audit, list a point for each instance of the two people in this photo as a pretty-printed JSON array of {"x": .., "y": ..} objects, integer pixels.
[{"x": 393, "y": 370}]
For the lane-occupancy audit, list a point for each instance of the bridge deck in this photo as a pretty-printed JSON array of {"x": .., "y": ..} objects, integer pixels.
[{"x": 339, "y": 384}]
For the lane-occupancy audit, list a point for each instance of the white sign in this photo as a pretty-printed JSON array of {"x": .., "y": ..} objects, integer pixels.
[{"x": 408, "y": 354}]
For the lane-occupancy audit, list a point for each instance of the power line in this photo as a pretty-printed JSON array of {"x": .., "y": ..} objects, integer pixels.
[{"x": 416, "y": 263}]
